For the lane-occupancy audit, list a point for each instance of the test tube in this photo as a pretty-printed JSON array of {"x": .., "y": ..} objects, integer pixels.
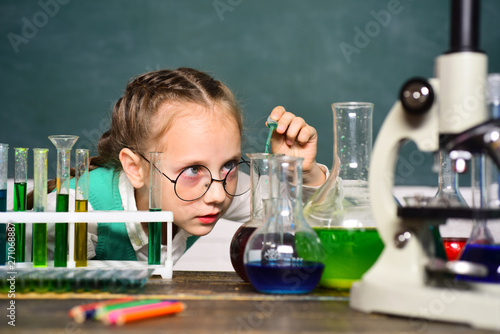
[
  {"x": 493, "y": 96},
  {"x": 40, "y": 205},
  {"x": 4, "y": 150},
  {"x": 81, "y": 205},
  {"x": 63, "y": 144},
  {"x": 20, "y": 181},
  {"x": 154, "y": 228},
  {"x": 493, "y": 100}
]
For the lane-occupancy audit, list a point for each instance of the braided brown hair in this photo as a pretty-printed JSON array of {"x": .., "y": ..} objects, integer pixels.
[{"x": 132, "y": 123}]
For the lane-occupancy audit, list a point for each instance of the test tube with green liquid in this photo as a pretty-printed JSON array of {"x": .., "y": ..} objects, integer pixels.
[
  {"x": 63, "y": 144},
  {"x": 154, "y": 228},
  {"x": 40, "y": 205},
  {"x": 81, "y": 205},
  {"x": 20, "y": 181},
  {"x": 4, "y": 166}
]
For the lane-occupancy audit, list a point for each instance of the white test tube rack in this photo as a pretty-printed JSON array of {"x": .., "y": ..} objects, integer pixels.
[{"x": 165, "y": 271}]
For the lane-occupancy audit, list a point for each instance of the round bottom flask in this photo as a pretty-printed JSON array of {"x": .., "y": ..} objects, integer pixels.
[{"x": 259, "y": 187}]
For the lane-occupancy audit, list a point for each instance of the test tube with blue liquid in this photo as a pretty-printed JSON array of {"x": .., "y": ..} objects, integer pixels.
[
  {"x": 4, "y": 150},
  {"x": 40, "y": 205},
  {"x": 154, "y": 228},
  {"x": 81, "y": 205},
  {"x": 63, "y": 143},
  {"x": 20, "y": 186}
]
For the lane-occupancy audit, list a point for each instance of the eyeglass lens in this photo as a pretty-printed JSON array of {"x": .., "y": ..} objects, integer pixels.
[{"x": 193, "y": 182}]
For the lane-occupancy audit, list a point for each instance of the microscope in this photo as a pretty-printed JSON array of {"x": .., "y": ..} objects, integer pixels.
[{"x": 448, "y": 113}]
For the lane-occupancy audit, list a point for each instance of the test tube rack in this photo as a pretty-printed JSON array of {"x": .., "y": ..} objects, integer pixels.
[{"x": 165, "y": 271}]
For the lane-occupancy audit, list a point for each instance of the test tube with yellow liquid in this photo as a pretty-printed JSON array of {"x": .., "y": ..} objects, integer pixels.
[
  {"x": 154, "y": 228},
  {"x": 81, "y": 205},
  {"x": 63, "y": 144},
  {"x": 40, "y": 205}
]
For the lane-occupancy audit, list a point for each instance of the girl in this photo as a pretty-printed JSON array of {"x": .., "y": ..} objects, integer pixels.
[{"x": 195, "y": 121}]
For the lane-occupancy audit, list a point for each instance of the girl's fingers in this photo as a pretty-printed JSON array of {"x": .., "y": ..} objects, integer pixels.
[
  {"x": 277, "y": 113},
  {"x": 295, "y": 128},
  {"x": 306, "y": 134},
  {"x": 284, "y": 122}
]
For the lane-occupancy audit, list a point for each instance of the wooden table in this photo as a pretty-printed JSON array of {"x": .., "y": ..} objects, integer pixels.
[{"x": 218, "y": 303}]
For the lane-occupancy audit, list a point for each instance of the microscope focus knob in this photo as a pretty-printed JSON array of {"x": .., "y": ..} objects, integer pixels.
[{"x": 417, "y": 96}]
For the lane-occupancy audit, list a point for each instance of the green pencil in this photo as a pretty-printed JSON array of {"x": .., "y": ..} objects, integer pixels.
[{"x": 101, "y": 311}]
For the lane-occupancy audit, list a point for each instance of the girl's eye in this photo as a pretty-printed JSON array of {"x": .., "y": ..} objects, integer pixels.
[
  {"x": 228, "y": 166},
  {"x": 191, "y": 171}
]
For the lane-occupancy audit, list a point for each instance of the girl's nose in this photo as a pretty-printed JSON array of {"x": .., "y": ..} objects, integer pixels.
[{"x": 216, "y": 193}]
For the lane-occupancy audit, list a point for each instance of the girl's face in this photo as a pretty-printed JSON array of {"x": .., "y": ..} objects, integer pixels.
[{"x": 198, "y": 139}]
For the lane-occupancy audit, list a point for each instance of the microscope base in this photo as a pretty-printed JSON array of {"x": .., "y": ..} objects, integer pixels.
[{"x": 477, "y": 306}]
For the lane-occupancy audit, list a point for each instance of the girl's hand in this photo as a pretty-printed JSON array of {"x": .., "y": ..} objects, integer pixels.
[{"x": 294, "y": 137}]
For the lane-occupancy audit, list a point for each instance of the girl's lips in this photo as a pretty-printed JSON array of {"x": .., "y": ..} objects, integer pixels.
[{"x": 209, "y": 219}]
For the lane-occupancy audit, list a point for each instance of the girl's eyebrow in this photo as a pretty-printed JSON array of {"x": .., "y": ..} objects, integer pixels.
[
  {"x": 196, "y": 162},
  {"x": 187, "y": 163}
]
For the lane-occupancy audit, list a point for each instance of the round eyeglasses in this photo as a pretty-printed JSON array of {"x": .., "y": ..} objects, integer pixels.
[{"x": 194, "y": 181}]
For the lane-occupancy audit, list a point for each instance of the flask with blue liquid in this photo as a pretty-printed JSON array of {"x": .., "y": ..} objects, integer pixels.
[{"x": 284, "y": 255}]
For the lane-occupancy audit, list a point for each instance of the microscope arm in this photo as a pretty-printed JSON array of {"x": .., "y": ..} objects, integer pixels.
[{"x": 398, "y": 127}]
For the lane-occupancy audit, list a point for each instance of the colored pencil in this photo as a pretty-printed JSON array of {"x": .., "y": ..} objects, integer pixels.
[
  {"x": 81, "y": 313},
  {"x": 123, "y": 316},
  {"x": 111, "y": 317},
  {"x": 101, "y": 311}
]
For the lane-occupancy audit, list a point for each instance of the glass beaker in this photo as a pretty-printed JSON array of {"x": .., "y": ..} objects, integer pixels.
[
  {"x": 339, "y": 211},
  {"x": 259, "y": 188},
  {"x": 284, "y": 255}
]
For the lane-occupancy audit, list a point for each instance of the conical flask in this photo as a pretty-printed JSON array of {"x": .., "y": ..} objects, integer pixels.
[
  {"x": 448, "y": 195},
  {"x": 259, "y": 187},
  {"x": 340, "y": 210},
  {"x": 483, "y": 246},
  {"x": 284, "y": 255}
]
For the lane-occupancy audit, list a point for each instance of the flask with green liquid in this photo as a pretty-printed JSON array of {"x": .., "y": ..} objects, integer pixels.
[{"x": 339, "y": 211}]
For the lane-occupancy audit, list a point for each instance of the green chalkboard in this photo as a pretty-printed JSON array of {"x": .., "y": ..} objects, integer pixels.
[{"x": 63, "y": 63}]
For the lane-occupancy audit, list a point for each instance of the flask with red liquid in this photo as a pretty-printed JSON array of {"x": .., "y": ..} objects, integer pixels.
[{"x": 259, "y": 187}]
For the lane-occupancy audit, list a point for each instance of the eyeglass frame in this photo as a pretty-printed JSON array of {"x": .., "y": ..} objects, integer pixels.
[{"x": 223, "y": 181}]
